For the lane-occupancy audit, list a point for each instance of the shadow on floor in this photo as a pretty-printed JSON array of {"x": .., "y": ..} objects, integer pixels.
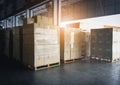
[{"x": 78, "y": 73}]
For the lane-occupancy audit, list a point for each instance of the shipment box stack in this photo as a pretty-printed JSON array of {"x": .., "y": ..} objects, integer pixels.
[
  {"x": 2, "y": 41},
  {"x": 105, "y": 44},
  {"x": 83, "y": 43},
  {"x": 7, "y": 38},
  {"x": 70, "y": 45},
  {"x": 41, "y": 47},
  {"x": 17, "y": 43},
  {"x": 88, "y": 45},
  {"x": 8, "y": 43},
  {"x": 38, "y": 44}
]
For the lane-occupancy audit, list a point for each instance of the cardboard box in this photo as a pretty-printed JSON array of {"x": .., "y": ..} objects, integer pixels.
[
  {"x": 43, "y": 20},
  {"x": 28, "y": 21}
]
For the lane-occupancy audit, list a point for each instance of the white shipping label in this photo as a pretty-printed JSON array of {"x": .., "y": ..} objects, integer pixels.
[
  {"x": 72, "y": 39},
  {"x": 72, "y": 45}
]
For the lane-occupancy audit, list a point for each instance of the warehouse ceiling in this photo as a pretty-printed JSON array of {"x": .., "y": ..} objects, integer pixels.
[
  {"x": 10, "y": 7},
  {"x": 71, "y": 9}
]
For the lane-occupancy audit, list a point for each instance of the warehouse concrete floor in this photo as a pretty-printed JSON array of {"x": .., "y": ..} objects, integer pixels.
[{"x": 79, "y": 73}]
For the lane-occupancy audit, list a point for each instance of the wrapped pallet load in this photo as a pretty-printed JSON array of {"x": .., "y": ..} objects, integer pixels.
[
  {"x": 41, "y": 47},
  {"x": 105, "y": 44},
  {"x": 83, "y": 43},
  {"x": 17, "y": 43},
  {"x": 70, "y": 45},
  {"x": 2, "y": 41},
  {"x": 8, "y": 43},
  {"x": 88, "y": 45},
  {"x": 85, "y": 39}
]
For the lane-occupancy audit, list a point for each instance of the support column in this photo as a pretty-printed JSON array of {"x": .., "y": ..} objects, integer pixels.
[
  {"x": 57, "y": 12},
  {"x": 27, "y": 13}
]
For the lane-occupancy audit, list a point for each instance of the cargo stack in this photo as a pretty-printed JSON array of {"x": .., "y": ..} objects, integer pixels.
[
  {"x": 83, "y": 44},
  {"x": 8, "y": 43},
  {"x": 70, "y": 45},
  {"x": 41, "y": 47},
  {"x": 2, "y": 41},
  {"x": 88, "y": 45},
  {"x": 105, "y": 44},
  {"x": 17, "y": 43},
  {"x": 75, "y": 44},
  {"x": 7, "y": 33}
]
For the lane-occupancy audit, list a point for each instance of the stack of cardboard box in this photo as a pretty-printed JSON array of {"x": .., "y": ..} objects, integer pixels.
[
  {"x": 2, "y": 41},
  {"x": 105, "y": 44},
  {"x": 7, "y": 42},
  {"x": 83, "y": 43},
  {"x": 17, "y": 43},
  {"x": 40, "y": 43},
  {"x": 70, "y": 44}
]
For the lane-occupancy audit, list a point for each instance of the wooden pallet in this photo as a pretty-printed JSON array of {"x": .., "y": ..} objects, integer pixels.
[
  {"x": 115, "y": 60},
  {"x": 100, "y": 59},
  {"x": 71, "y": 60},
  {"x": 44, "y": 66}
]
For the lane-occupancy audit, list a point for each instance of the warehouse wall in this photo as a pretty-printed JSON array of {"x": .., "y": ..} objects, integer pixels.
[
  {"x": 80, "y": 10},
  {"x": 100, "y": 22},
  {"x": 90, "y": 8}
]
